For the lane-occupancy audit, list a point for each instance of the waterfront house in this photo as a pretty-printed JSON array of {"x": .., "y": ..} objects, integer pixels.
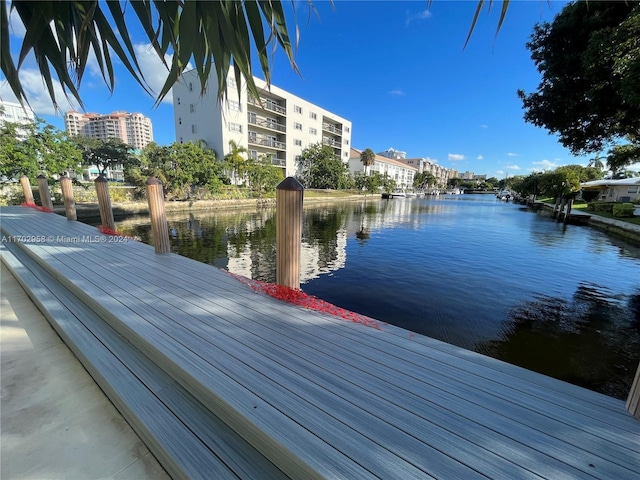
[{"x": 621, "y": 190}]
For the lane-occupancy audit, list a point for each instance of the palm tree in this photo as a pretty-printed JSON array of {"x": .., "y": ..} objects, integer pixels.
[
  {"x": 218, "y": 35},
  {"x": 367, "y": 157},
  {"x": 596, "y": 162},
  {"x": 235, "y": 162}
]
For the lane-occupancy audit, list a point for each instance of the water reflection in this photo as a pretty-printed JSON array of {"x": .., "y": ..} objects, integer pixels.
[
  {"x": 467, "y": 270},
  {"x": 591, "y": 339}
]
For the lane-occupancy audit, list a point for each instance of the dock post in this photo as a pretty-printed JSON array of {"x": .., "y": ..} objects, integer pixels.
[
  {"x": 560, "y": 212},
  {"x": 45, "y": 194},
  {"x": 26, "y": 189},
  {"x": 568, "y": 211},
  {"x": 67, "y": 195},
  {"x": 633, "y": 401},
  {"x": 104, "y": 203},
  {"x": 159, "y": 230},
  {"x": 555, "y": 207},
  {"x": 289, "y": 199}
]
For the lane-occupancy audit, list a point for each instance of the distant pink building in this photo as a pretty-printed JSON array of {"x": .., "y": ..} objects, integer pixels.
[{"x": 132, "y": 128}]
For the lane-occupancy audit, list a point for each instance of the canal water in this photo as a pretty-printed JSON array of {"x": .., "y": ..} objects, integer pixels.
[{"x": 470, "y": 270}]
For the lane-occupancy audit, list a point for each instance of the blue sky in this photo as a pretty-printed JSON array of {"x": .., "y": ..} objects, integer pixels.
[{"x": 395, "y": 69}]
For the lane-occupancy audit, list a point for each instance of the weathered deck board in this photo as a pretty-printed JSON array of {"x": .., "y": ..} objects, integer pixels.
[{"x": 393, "y": 404}]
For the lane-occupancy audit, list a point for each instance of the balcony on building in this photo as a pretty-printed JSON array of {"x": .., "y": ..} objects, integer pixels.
[
  {"x": 269, "y": 141},
  {"x": 265, "y": 122},
  {"x": 268, "y": 103}
]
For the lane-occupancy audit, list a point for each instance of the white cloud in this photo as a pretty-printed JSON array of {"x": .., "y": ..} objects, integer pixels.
[
  {"x": 511, "y": 154},
  {"x": 154, "y": 71},
  {"x": 454, "y": 157},
  {"x": 512, "y": 167},
  {"x": 397, "y": 93},
  {"x": 480, "y": 157},
  {"x": 37, "y": 93},
  {"x": 546, "y": 164},
  {"x": 424, "y": 14},
  {"x": 499, "y": 172}
]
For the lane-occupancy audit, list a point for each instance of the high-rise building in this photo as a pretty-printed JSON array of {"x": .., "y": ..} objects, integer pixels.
[
  {"x": 132, "y": 128},
  {"x": 279, "y": 125}
]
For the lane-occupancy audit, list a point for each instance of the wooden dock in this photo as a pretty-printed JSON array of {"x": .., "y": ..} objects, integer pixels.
[{"x": 222, "y": 382}]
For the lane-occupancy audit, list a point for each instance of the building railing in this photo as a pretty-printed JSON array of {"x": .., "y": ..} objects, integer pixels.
[
  {"x": 274, "y": 107},
  {"x": 331, "y": 142},
  {"x": 262, "y": 122},
  {"x": 266, "y": 142},
  {"x": 332, "y": 128}
]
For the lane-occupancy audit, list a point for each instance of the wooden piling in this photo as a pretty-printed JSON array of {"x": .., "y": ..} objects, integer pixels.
[
  {"x": 26, "y": 189},
  {"x": 67, "y": 196},
  {"x": 104, "y": 203},
  {"x": 289, "y": 199},
  {"x": 45, "y": 194},
  {"x": 159, "y": 229},
  {"x": 633, "y": 400},
  {"x": 556, "y": 207},
  {"x": 568, "y": 210}
]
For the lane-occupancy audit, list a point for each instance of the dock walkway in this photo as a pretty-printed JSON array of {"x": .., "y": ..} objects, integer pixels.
[{"x": 222, "y": 382}]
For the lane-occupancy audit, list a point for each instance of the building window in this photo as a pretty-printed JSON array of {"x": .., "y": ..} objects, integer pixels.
[
  {"x": 181, "y": 141},
  {"x": 190, "y": 87},
  {"x": 253, "y": 154},
  {"x": 253, "y": 137},
  {"x": 297, "y": 109},
  {"x": 297, "y": 126},
  {"x": 194, "y": 129},
  {"x": 313, "y": 131},
  {"x": 252, "y": 117},
  {"x": 298, "y": 158},
  {"x": 298, "y": 143},
  {"x": 179, "y": 120},
  {"x": 346, "y": 141},
  {"x": 234, "y": 105},
  {"x": 178, "y": 100},
  {"x": 231, "y": 82},
  {"x": 313, "y": 116},
  {"x": 235, "y": 127},
  {"x": 192, "y": 108},
  {"x": 346, "y": 129}
]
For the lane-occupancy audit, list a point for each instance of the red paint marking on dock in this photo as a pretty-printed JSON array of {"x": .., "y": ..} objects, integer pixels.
[{"x": 298, "y": 297}]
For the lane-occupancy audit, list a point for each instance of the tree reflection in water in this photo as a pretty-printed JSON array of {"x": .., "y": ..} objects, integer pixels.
[{"x": 559, "y": 337}]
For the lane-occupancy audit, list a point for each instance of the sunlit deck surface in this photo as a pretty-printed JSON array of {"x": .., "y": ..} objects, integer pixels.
[{"x": 222, "y": 382}]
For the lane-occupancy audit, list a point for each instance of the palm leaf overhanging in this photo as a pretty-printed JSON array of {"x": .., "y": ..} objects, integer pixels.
[{"x": 217, "y": 35}]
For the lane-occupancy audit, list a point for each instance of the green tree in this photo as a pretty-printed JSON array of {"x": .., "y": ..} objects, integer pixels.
[
  {"x": 589, "y": 58},
  {"x": 263, "y": 175},
  {"x": 182, "y": 168},
  {"x": 368, "y": 158},
  {"x": 596, "y": 162},
  {"x": 36, "y": 148},
  {"x": 424, "y": 180},
  {"x": 321, "y": 168},
  {"x": 105, "y": 154},
  {"x": 621, "y": 156},
  {"x": 235, "y": 162}
]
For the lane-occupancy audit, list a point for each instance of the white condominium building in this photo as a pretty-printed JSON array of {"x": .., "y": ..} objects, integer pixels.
[
  {"x": 15, "y": 113},
  {"x": 280, "y": 125},
  {"x": 399, "y": 171},
  {"x": 132, "y": 128}
]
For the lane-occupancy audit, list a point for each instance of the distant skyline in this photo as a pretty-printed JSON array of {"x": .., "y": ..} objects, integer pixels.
[{"x": 395, "y": 69}]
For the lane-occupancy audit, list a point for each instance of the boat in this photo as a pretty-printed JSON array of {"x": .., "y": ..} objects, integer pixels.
[
  {"x": 398, "y": 194},
  {"x": 505, "y": 195}
]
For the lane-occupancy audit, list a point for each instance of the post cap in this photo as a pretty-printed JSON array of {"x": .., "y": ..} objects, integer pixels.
[
  {"x": 153, "y": 181},
  {"x": 100, "y": 179},
  {"x": 41, "y": 176},
  {"x": 290, "y": 183}
]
